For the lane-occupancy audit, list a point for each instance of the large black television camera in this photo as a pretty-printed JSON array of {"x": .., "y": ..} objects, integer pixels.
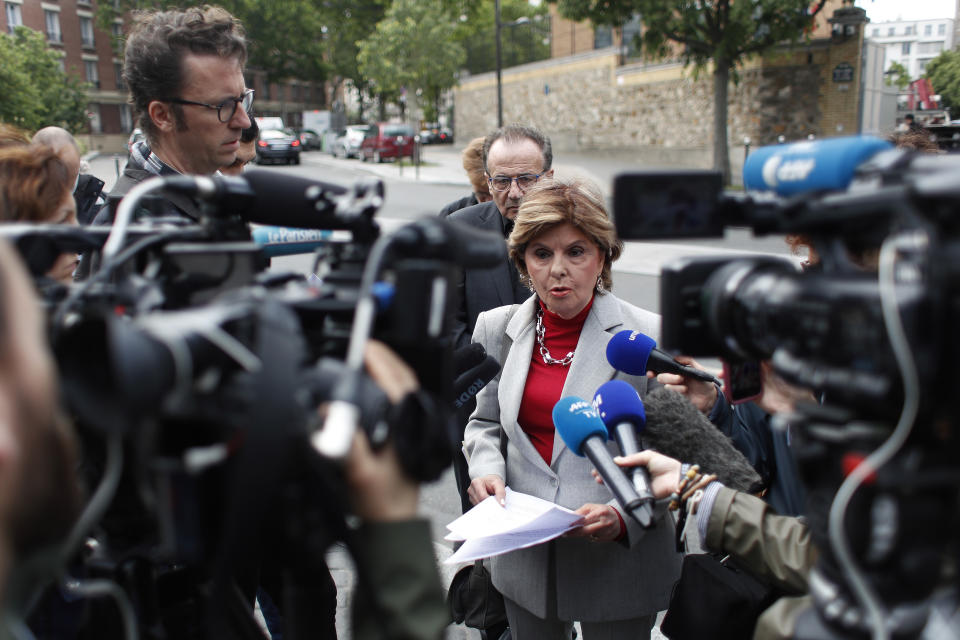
[
  {"x": 194, "y": 377},
  {"x": 871, "y": 328}
]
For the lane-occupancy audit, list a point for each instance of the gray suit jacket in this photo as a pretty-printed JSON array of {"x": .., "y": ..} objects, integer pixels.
[
  {"x": 480, "y": 290},
  {"x": 596, "y": 581}
]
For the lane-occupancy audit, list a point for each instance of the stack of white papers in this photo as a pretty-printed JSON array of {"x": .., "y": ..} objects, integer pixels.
[{"x": 490, "y": 529}]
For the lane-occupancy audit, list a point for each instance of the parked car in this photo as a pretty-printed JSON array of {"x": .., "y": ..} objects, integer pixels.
[
  {"x": 386, "y": 140},
  {"x": 310, "y": 140},
  {"x": 275, "y": 145},
  {"x": 443, "y": 136},
  {"x": 347, "y": 144}
]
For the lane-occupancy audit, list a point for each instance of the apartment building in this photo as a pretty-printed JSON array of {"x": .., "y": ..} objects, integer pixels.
[{"x": 912, "y": 43}]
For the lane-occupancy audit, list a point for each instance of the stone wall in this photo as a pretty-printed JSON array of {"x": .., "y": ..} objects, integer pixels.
[{"x": 664, "y": 112}]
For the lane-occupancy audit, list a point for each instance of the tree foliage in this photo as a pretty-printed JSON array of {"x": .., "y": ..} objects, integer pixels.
[
  {"x": 36, "y": 93},
  {"x": 524, "y": 36},
  {"x": 413, "y": 49},
  {"x": 285, "y": 37},
  {"x": 723, "y": 32},
  {"x": 897, "y": 74},
  {"x": 944, "y": 75}
]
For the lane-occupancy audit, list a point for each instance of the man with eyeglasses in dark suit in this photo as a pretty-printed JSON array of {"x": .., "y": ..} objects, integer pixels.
[
  {"x": 515, "y": 158},
  {"x": 184, "y": 70}
]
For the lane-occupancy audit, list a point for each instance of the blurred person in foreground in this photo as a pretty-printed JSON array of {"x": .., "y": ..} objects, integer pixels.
[
  {"x": 609, "y": 574},
  {"x": 472, "y": 158},
  {"x": 37, "y": 187},
  {"x": 39, "y": 492}
]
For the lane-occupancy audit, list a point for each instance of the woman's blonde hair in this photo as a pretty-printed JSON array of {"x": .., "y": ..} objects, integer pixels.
[{"x": 552, "y": 203}]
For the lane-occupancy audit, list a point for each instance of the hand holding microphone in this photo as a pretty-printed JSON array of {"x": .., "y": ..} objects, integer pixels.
[
  {"x": 584, "y": 433},
  {"x": 635, "y": 353},
  {"x": 621, "y": 410}
]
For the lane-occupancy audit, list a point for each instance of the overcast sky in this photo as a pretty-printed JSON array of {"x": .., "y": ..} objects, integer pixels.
[{"x": 890, "y": 10}]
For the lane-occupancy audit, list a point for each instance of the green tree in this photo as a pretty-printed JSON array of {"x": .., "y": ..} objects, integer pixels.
[
  {"x": 413, "y": 48},
  {"x": 285, "y": 37},
  {"x": 36, "y": 93},
  {"x": 897, "y": 74},
  {"x": 351, "y": 21},
  {"x": 722, "y": 32},
  {"x": 524, "y": 37},
  {"x": 943, "y": 72}
]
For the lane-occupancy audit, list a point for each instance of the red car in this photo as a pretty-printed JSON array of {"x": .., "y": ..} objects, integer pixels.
[{"x": 385, "y": 140}]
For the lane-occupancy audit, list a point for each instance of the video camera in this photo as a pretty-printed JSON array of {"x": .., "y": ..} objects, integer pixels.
[
  {"x": 869, "y": 326},
  {"x": 194, "y": 377}
]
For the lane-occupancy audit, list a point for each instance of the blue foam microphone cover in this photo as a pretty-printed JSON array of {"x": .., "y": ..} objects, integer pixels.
[
  {"x": 809, "y": 166},
  {"x": 617, "y": 402},
  {"x": 576, "y": 420},
  {"x": 628, "y": 351}
]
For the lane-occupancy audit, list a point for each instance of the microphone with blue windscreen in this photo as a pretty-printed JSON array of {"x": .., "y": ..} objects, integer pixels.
[
  {"x": 621, "y": 410},
  {"x": 635, "y": 353},
  {"x": 809, "y": 166},
  {"x": 584, "y": 433}
]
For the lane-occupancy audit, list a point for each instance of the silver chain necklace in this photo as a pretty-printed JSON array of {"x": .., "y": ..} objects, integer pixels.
[{"x": 544, "y": 353}]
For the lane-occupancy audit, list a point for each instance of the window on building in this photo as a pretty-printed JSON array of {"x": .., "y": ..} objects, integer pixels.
[
  {"x": 928, "y": 29},
  {"x": 892, "y": 31},
  {"x": 14, "y": 16},
  {"x": 602, "y": 37},
  {"x": 116, "y": 30},
  {"x": 118, "y": 75},
  {"x": 941, "y": 29},
  {"x": 922, "y": 65},
  {"x": 52, "y": 20},
  {"x": 126, "y": 120},
  {"x": 629, "y": 33},
  {"x": 905, "y": 48},
  {"x": 96, "y": 124},
  {"x": 62, "y": 65},
  {"x": 924, "y": 48},
  {"x": 86, "y": 31},
  {"x": 876, "y": 33},
  {"x": 93, "y": 74}
]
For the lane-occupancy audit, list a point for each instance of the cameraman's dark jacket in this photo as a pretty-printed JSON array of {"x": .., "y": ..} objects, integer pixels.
[
  {"x": 767, "y": 449},
  {"x": 175, "y": 204}
]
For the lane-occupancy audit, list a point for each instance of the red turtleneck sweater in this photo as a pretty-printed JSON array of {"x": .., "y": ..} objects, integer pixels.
[{"x": 545, "y": 381}]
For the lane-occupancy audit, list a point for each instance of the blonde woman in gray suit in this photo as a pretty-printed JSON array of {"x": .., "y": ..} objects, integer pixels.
[{"x": 610, "y": 575}]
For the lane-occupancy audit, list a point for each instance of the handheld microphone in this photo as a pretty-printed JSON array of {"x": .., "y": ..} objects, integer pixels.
[
  {"x": 621, "y": 410},
  {"x": 474, "y": 370},
  {"x": 678, "y": 429},
  {"x": 584, "y": 433},
  {"x": 801, "y": 167},
  {"x": 636, "y": 353}
]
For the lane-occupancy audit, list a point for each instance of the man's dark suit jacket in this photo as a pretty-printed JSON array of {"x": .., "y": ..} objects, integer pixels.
[{"x": 484, "y": 289}]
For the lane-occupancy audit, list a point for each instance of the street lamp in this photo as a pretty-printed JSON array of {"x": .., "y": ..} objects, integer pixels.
[{"x": 500, "y": 25}]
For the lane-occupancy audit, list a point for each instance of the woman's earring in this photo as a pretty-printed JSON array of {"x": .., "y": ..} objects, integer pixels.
[
  {"x": 600, "y": 287},
  {"x": 527, "y": 281}
]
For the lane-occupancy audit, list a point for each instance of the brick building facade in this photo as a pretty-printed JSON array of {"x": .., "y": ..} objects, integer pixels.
[{"x": 92, "y": 55}]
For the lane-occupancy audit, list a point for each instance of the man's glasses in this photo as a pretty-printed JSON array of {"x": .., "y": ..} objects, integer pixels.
[
  {"x": 228, "y": 107},
  {"x": 524, "y": 182}
]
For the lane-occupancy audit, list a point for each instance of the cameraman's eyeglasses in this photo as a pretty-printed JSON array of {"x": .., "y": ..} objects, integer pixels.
[
  {"x": 524, "y": 182},
  {"x": 228, "y": 106}
]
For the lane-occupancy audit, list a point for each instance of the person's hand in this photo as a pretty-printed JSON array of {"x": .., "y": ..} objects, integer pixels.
[
  {"x": 379, "y": 489},
  {"x": 664, "y": 470},
  {"x": 702, "y": 394},
  {"x": 485, "y": 486},
  {"x": 600, "y": 523},
  {"x": 779, "y": 395}
]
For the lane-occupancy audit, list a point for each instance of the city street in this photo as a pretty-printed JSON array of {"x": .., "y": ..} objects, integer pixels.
[{"x": 441, "y": 180}]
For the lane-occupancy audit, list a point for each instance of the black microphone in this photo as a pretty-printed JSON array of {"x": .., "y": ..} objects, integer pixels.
[
  {"x": 636, "y": 353},
  {"x": 678, "y": 429},
  {"x": 621, "y": 410},
  {"x": 474, "y": 369},
  {"x": 452, "y": 241},
  {"x": 583, "y": 432}
]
